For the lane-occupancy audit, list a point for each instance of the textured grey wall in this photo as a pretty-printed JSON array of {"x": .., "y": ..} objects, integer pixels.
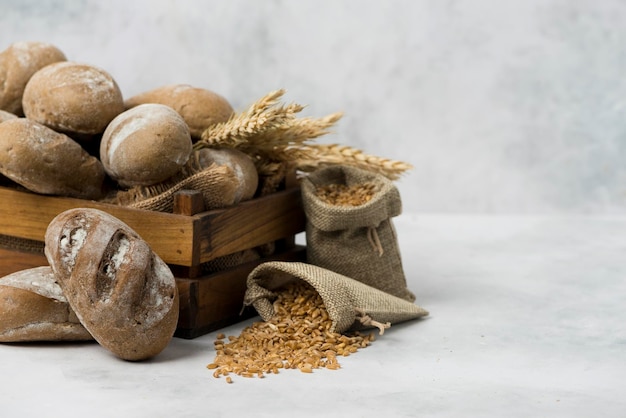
[{"x": 501, "y": 106}]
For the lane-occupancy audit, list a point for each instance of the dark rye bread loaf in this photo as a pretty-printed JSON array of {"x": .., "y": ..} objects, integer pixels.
[{"x": 121, "y": 291}]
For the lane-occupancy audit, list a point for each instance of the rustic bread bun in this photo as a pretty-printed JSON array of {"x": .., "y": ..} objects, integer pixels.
[
  {"x": 17, "y": 65},
  {"x": 200, "y": 108},
  {"x": 33, "y": 308},
  {"x": 241, "y": 164},
  {"x": 47, "y": 162},
  {"x": 72, "y": 98},
  {"x": 6, "y": 116},
  {"x": 121, "y": 291},
  {"x": 145, "y": 145}
]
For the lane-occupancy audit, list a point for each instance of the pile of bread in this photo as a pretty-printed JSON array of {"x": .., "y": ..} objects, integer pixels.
[{"x": 65, "y": 129}]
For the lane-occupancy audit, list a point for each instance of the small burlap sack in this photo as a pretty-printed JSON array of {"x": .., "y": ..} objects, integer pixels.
[
  {"x": 356, "y": 241},
  {"x": 351, "y": 305}
]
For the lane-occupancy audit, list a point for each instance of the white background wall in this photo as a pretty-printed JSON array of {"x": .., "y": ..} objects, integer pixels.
[{"x": 501, "y": 106}]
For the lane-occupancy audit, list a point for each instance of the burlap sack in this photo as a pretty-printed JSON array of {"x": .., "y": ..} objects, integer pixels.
[
  {"x": 216, "y": 183},
  {"x": 351, "y": 304},
  {"x": 356, "y": 241}
]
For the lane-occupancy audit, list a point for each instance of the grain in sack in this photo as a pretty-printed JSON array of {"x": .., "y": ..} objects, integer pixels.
[
  {"x": 349, "y": 228},
  {"x": 311, "y": 317}
]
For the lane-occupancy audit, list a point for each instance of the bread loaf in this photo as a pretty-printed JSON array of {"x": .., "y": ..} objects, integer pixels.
[
  {"x": 17, "y": 65},
  {"x": 200, "y": 108},
  {"x": 241, "y": 164},
  {"x": 73, "y": 98},
  {"x": 6, "y": 116},
  {"x": 47, "y": 162},
  {"x": 121, "y": 291},
  {"x": 33, "y": 308},
  {"x": 145, "y": 145}
]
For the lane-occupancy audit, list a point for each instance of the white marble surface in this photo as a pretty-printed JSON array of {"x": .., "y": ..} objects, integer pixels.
[
  {"x": 501, "y": 106},
  {"x": 527, "y": 320}
]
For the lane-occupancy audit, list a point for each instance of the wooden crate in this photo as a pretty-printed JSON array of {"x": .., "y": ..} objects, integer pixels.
[{"x": 185, "y": 240}]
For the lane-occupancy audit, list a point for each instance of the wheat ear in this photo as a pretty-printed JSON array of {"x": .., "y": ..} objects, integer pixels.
[
  {"x": 262, "y": 115},
  {"x": 313, "y": 156}
]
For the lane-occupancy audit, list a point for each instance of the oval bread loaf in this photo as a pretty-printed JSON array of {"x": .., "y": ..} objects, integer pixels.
[
  {"x": 73, "y": 98},
  {"x": 200, "y": 108},
  {"x": 47, "y": 162},
  {"x": 18, "y": 63},
  {"x": 145, "y": 145},
  {"x": 121, "y": 291},
  {"x": 33, "y": 308},
  {"x": 238, "y": 161}
]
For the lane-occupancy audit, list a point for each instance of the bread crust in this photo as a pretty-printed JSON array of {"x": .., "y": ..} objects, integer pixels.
[
  {"x": 33, "y": 308},
  {"x": 48, "y": 162},
  {"x": 145, "y": 145},
  {"x": 238, "y": 161},
  {"x": 122, "y": 292},
  {"x": 18, "y": 63},
  {"x": 73, "y": 98},
  {"x": 200, "y": 108}
]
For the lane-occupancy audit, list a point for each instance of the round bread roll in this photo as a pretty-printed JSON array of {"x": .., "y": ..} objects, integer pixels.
[
  {"x": 47, "y": 162},
  {"x": 6, "y": 116},
  {"x": 73, "y": 98},
  {"x": 17, "y": 65},
  {"x": 145, "y": 145},
  {"x": 121, "y": 291},
  {"x": 33, "y": 308},
  {"x": 200, "y": 108},
  {"x": 241, "y": 164}
]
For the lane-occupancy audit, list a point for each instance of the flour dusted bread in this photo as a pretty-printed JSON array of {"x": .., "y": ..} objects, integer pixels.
[
  {"x": 47, "y": 162},
  {"x": 6, "y": 116},
  {"x": 241, "y": 164},
  {"x": 121, "y": 291},
  {"x": 33, "y": 308},
  {"x": 73, "y": 98},
  {"x": 200, "y": 108},
  {"x": 17, "y": 65},
  {"x": 145, "y": 145}
]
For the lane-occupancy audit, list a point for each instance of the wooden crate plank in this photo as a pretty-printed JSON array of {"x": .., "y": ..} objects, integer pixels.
[
  {"x": 252, "y": 223},
  {"x": 12, "y": 261},
  {"x": 171, "y": 236}
]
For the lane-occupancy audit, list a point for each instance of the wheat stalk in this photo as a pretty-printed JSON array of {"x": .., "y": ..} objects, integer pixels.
[
  {"x": 272, "y": 135},
  {"x": 314, "y": 156},
  {"x": 262, "y": 115}
]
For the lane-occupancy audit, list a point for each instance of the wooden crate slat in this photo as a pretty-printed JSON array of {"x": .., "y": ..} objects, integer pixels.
[
  {"x": 170, "y": 236},
  {"x": 251, "y": 223}
]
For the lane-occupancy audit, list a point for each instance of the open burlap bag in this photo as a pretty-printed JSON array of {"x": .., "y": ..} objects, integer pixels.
[
  {"x": 350, "y": 304},
  {"x": 356, "y": 241}
]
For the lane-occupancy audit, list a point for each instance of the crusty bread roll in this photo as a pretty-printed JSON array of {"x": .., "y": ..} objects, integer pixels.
[
  {"x": 33, "y": 308},
  {"x": 73, "y": 98},
  {"x": 121, "y": 291},
  {"x": 17, "y": 65},
  {"x": 199, "y": 107},
  {"x": 241, "y": 164},
  {"x": 6, "y": 116},
  {"x": 47, "y": 162},
  {"x": 145, "y": 145}
]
